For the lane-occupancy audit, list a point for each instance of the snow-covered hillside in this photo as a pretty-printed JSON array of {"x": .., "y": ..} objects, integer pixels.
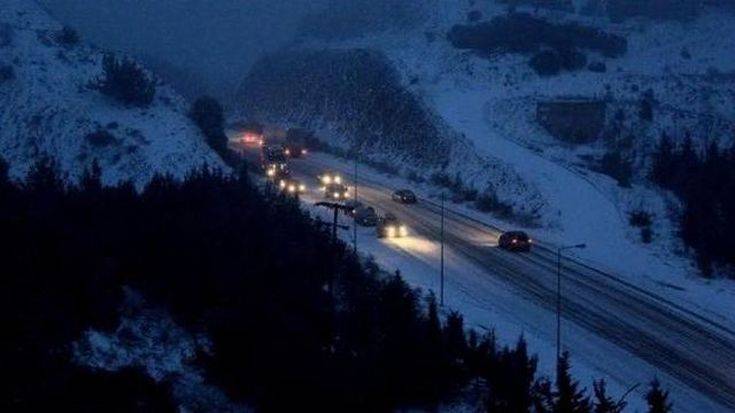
[
  {"x": 47, "y": 108},
  {"x": 490, "y": 101},
  {"x": 354, "y": 100}
]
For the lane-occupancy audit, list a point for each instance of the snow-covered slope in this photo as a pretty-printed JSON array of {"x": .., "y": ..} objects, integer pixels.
[
  {"x": 46, "y": 107},
  {"x": 356, "y": 100},
  {"x": 491, "y": 100}
]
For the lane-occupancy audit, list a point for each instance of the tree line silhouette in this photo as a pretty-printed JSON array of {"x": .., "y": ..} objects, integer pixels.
[
  {"x": 296, "y": 320},
  {"x": 704, "y": 181}
]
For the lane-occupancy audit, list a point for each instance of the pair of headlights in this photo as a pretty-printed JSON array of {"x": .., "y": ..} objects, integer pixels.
[
  {"x": 292, "y": 187},
  {"x": 327, "y": 179},
  {"x": 396, "y": 231}
]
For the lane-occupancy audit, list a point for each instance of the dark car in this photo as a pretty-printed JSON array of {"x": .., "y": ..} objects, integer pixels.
[
  {"x": 353, "y": 206},
  {"x": 336, "y": 191},
  {"x": 294, "y": 150},
  {"x": 366, "y": 216},
  {"x": 276, "y": 170},
  {"x": 516, "y": 241},
  {"x": 291, "y": 186},
  {"x": 404, "y": 196},
  {"x": 390, "y": 227}
]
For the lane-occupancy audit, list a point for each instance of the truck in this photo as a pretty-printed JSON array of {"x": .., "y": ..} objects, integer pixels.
[{"x": 274, "y": 162}]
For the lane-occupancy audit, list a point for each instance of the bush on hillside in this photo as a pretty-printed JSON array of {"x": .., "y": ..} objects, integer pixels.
[
  {"x": 67, "y": 37},
  {"x": 682, "y": 10},
  {"x": 7, "y": 73},
  {"x": 523, "y": 33},
  {"x": 101, "y": 138},
  {"x": 125, "y": 81},
  {"x": 642, "y": 219},
  {"x": 6, "y": 35},
  {"x": 546, "y": 63},
  {"x": 614, "y": 164}
]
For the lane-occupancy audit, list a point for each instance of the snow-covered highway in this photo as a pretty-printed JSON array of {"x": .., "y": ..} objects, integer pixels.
[{"x": 612, "y": 327}]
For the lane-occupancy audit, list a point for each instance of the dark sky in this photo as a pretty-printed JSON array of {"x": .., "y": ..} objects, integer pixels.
[{"x": 216, "y": 40}]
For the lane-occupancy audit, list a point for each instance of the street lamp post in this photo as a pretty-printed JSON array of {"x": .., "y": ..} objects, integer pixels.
[
  {"x": 441, "y": 274},
  {"x": 558, "y": 296},
  {"x": 354, "y": 222}
]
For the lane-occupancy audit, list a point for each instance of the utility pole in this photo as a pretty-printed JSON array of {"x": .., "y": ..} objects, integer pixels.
[
  {"x": 336, "y": 207},
  {"x": 558, "y": 297},
  {"x": 441, "y": 274}
]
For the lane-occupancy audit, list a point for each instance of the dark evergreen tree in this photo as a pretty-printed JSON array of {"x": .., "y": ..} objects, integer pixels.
[
  {"x": 4, "y": 177},
  {"x": 125, "y": 81},
  {"x": 657, "y": 398},
  {"x": 454, "y": 336},
  {"x": 67, "y": 36},
  {"x": 511, "y": 380},
  {"x": 91, "y": 180},
  {"x": 645, "y": 112},
  {"x": 663, "y": 165},
  {"x": 208, "y": 115},
  {"x": 604, "y": 403},
  {"x": 567, "y": 397}
]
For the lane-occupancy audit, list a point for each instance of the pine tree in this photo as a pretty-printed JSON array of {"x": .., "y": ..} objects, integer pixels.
[
  {"x": 91, "y": 181},
  {"x": 657, "y": 398},
  {"x": 646, "y": 106},
  {"x": 568, "y": 399},
  {"x": 512, "y": 380},
  {"x": 663, "y": 162},
  {"x": 4, "y": 177},
  {"x": 126, "y": 82},
  {"x": 454, "y": 336},
  {"x": 43, "y": 178},
  {"x": 604, "y": 403},
  {"x": 433, "y": 324}
]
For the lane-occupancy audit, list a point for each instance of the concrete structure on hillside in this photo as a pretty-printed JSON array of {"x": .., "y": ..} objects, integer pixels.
[{"x": 572, "y": 119}]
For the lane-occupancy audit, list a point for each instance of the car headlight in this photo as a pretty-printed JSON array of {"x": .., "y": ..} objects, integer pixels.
[
  {"x": 302, "y": 187},
  {"x": 403, "y": 230},
  {"x": 304, "y": 151},
  {"x": 292, "y": 188},
  {"x": 336, "y": 195},
  {"x": 287, "y": 151},
  {"x": 337, "y": 179},
  {"x": 391, "y": 231},
  {"x": 282, "y": 184},
  {"x": 347, "y": 194},
  {"x": 271, "y": 172},
  {"x": 327, "y": 179}
]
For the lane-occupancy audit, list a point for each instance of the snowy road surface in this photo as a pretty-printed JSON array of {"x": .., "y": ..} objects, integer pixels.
[{"x": 611, "y": 326}]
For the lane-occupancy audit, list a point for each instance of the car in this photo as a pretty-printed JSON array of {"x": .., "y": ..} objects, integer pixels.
[
  {"x": 294, "y": 150},
  {"x": 366, "y": 216},
  {"x": 515, "y": 241},
  {"x": 249, "y": 133},
  {"x": 404, "y": 196},
  {"x": 353, "y": 206},
  {"x": 389, "y": 226},
  {"x": 336, "y": 191},
  {"x": 291, "y": 186},
  {"x": 276, "y": 170}
]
